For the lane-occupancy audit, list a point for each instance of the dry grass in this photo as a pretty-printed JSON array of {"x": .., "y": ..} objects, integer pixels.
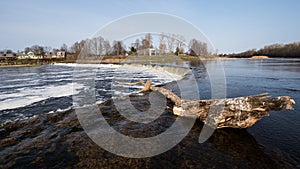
[{"x": 259, "y": 57}]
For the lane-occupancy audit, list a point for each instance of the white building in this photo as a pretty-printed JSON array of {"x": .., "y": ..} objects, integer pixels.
[{"x": 29, "y": 55}]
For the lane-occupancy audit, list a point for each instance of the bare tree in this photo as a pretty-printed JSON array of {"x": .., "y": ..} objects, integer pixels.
[
  {"x": 162, "y": 44},
  {"x": 137, "y": 44},
  {"x": 77, "y": 47},
  {"x": 47, "y": 49},
  {"x": 106, "y": 47},
  {"x": 148, "y": 38},
  {"x": 171, "y": 40},
  {"x": 203, "y": 49},
  {"x": 146, "y": 43},
  {"x": 96, "y": 45},
  {"x": 118, "y": 48},
  {"x": 198, "y": 48},
  {"x": 37, "y": 50},
  {"x": 27, "y": 49},
  {"x": 88, "y": 49},
  {"x": 74, "y": 48},
  {"x": 180, "y": 43},
  {"x": 64, "y": 47}
]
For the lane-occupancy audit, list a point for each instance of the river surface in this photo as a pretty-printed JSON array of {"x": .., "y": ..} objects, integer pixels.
[{"x": 26, "y": 92}]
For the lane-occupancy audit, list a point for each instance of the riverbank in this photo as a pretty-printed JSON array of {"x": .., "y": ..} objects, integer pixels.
[
  {"x": 28, "y": 62},
  {"x": 57, "y": 140},
  {"x": 178, "y": 60}
]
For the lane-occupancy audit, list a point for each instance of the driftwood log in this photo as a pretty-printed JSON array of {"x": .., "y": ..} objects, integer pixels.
[{"x": 240, "y": 112}]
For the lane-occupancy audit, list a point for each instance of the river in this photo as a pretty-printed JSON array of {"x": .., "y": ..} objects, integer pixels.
[{"x": 26, "y": 92}]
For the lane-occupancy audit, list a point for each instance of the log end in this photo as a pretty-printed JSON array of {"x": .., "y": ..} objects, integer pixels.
[
  {"x": 179, "y": 111},
  {"x": 147, "y": 86},
  {"x": 281, "y": 103}
]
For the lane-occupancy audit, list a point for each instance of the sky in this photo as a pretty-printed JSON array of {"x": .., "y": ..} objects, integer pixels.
[{"x": 231, "y": 25}]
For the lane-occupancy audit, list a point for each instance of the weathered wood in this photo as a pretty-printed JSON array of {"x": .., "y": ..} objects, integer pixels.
[
  {"x": 148, "y": 86},
  {"x": 240, "y": 112},
  {"x": 132, "y": 83},
  {"x": 168, "y": 94}
]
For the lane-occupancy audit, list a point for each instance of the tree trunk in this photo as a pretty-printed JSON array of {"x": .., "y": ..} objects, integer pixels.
[{"x": 240, "y": 112}]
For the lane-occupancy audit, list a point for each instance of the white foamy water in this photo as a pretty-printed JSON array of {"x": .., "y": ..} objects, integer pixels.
[
  {"x": 163, "y": 72},
  {"x": 88, "y": 65},
  {"x": 28, "y": 91},
  {"x": 28, "y": 96}
]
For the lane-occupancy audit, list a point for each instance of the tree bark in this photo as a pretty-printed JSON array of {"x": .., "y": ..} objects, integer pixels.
[{"x": 240, "y": 112}]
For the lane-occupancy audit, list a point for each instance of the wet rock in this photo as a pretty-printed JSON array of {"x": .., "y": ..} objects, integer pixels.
[{"x": 58, "y": 141}]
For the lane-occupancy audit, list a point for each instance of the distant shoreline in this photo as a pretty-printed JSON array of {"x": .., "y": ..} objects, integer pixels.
[
  {"x": 131, "y": 59},
  {"x": 29, "y": 63},
  {"x": 19, "y": 65}
]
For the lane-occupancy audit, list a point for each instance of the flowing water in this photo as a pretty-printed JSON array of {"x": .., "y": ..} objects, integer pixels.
[{"x": 26, "y": 92}]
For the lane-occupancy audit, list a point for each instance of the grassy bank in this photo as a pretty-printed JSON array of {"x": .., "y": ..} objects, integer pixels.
[
  {"x": 146, "y": 59},
  {"x": 31, "y": 62},
  {"x": 167, "y": 59}
]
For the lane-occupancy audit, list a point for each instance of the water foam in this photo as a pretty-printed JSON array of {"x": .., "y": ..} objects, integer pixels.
[
  {"x": 162, "y": 71},
  {"x": 29, "y": 93},
  {"x": 28, "y": 96}
]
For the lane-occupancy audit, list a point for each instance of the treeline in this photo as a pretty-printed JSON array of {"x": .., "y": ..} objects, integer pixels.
[
  {"x": 36, "y": 49},
  {"x": 166, "y": 44},
  {"x": 291, "y": 50}
]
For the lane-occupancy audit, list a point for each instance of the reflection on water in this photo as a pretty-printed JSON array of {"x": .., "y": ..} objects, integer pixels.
[
  {"x": 279, "y": 134},
  {"x": 271, "y": 143}
]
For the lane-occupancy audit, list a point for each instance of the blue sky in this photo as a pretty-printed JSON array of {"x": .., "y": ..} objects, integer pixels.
[{"x": 231, "y": 25}]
